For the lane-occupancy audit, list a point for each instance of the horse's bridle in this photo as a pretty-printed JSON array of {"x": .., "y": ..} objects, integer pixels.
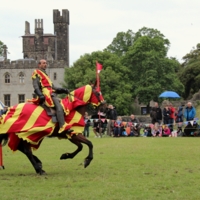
[{"x": 97, "y": 94}]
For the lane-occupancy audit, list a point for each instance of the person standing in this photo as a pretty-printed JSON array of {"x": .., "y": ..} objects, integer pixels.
[
  {"x": 166, "y": 114},
  {"x": 179, "y": 119},
  {"x": 156, "y": 114},
  {"x": 111, "y": 114},
  {"x": 97, "y": 128},
  {"x": 189, "y": 112},
  {"x": 171, "y": 117},
  {"x": 86, "y": 131},
  {"x": 46, "y": 92}
]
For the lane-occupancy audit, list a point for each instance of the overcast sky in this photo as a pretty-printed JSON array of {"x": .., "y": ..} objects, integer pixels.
[{"x": 94, "y": 23}]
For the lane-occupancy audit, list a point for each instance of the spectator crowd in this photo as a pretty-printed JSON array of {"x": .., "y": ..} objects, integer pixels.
[{"x": 166, "y": 122}]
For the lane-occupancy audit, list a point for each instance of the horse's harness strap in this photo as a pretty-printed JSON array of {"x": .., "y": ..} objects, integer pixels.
[{"x": 47, "y": 87}]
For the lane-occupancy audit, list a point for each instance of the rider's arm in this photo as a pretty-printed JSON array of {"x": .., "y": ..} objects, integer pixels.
[
  {"x": 36, "y": 83},
  {"x": 37, "y": 89},
  {"x": 60, "y": 90}
]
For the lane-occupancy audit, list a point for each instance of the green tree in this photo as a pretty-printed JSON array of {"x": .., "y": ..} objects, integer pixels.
[
  {"x": 121, "y": 43},
  {"x": 135, "y": 65},
  {"x": 115, "y": 85},
  {"x": 190, "y": 74},
  {"x": 153, "y": 33},
  {"x": 152, "y": 72}
]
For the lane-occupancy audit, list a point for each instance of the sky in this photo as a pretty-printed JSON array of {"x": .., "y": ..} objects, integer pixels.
[{"x": 95, "y": 23}]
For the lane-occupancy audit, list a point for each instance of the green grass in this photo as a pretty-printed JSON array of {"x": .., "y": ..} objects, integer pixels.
[{"x": 122, "y": 169}]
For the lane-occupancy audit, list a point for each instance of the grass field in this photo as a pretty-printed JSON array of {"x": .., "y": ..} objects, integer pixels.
[{"x": 122, "y": 169}]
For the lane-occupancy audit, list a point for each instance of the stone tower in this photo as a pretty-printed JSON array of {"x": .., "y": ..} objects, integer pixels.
[
  {"x": 61, "y": 30},
  {"x": 37, "y": 46}
]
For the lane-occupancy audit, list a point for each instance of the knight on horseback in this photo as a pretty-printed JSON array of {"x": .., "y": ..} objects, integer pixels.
[{"x": 46, "y": 92}]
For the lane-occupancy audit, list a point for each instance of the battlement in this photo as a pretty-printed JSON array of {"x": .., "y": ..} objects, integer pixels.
[
  {"x": 38, "y": 23},
  {"x": 29, "y": 64},
  {"x": 64, "y": 18},
  {"x": 27, "y": 28}
]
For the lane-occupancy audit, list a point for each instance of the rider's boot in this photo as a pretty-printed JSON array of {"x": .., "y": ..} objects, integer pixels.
[{"x": 63, "y": 129}]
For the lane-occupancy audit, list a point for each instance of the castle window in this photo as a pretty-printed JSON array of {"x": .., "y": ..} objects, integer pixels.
[
  {"x": 7, "y": 78},
  {"x": 21, "y": 98},
  {"x": 54, "y": 76},
  {"x": 46, "y": 40},
  {"x": 31, "y": 41},
  {"x": 21, "y": 77},
  {"x": 7, "y": 99}
]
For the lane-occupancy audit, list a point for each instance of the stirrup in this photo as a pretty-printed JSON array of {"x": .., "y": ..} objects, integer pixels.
[{"x": 66, "y": 132}]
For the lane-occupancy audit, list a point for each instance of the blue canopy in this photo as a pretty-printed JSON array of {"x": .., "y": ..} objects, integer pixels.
[{"x": 169, "y": 94}]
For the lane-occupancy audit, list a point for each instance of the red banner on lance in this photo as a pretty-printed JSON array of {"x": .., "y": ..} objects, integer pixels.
[{"x": 99, "y": 67}]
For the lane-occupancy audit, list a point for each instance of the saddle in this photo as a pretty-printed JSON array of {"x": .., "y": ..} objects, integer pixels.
[{"x": 50, "y": 112}]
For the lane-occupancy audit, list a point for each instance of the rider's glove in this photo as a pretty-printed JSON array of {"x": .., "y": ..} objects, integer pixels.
[
  {"x": 42, "y": 99},
  {"x": 61, "y": 91},
  {"x": 40, "y": 95}
]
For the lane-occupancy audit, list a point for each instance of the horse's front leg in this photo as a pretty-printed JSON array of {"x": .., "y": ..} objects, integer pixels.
[
  {"x": 80, "y": 138},
  {"x": 25, "y": 148},
  {"x": 72, "y": 155}
]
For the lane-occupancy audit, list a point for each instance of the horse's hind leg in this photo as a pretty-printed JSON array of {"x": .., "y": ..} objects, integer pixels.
[
  {"x": 25, "y": 148},
  {"x": 72, "y": 155},
  {"x": 38, "y": 161}
]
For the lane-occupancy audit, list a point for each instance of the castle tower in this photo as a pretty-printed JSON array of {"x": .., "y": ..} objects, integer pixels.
[
  {"x": 5, "y": 51},
  {"x": 36, "y": 45},
  {"x": 61, "y": 30},
  {"x": 39, "y": 35}
]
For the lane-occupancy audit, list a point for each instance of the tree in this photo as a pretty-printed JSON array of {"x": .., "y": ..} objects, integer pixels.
[
  {"x": 123, "y": 40},
  {"x": 152, "y": 71},
  {"x": 115, "y": 85},
  {"x": 121, "y": 43},
  {"x": 192, "y": 56},
  {"x": 1, "y": 48},
  {"x": 190, "y": 74},
  {"x": 153, "y": 33},
  {"x": 135, "y": 65}
]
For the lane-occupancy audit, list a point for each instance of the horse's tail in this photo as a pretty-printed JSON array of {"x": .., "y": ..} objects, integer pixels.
[{"x": 3, "y": 139}]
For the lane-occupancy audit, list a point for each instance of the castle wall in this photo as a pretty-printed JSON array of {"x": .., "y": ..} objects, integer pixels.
[
  {"x": 55, "y": 49},
  {"x": 14, "y": 68}
]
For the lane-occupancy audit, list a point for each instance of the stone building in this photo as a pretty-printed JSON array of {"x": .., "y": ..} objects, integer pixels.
[{"x": 16, "y": 83}]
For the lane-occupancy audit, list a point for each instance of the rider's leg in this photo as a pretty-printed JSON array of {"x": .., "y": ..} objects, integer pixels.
[{"x": 60, "y": 115}]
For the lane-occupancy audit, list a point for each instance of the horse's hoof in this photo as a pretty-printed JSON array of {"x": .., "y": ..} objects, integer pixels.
[
  {"x": 42, "y": 172},
  {"x": 64, "y": 156},
  {"x": 86, "y": 162}
]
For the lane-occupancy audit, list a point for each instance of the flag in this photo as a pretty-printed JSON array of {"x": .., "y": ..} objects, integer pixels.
[{"x": 99, "y": 67}]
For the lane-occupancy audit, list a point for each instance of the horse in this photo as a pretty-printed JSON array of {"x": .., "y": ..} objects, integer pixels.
[{"x": 25, "y": 125}]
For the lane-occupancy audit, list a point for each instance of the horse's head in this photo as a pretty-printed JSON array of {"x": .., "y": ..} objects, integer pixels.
[
  {"x": 82, "y": 96},
  {"x": 97, "y": 98}
]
